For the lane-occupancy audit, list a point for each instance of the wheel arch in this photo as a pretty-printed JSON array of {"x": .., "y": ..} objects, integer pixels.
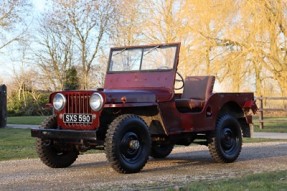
[
  {"x": 150, "y": 114},
  {"x": 236, "y": 111}
]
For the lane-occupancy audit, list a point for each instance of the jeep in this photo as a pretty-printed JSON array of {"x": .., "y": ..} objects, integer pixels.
[{"x": 140, "y": 113}]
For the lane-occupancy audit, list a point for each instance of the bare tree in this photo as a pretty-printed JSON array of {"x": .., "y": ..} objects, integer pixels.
[
  {"x": 54, "y": 54},
  {"x": 22, "y": 82},
  {"x": 128, "y": 23},
  {"x": 243, "y": 42},
  {"x": 255, "y": 40},
  {"x": 12, "y": 14},
  {"x": 162, "y": 21},
  {"x": 85, "y": 23},
  {"x": 209, "y": 25},
  {"x": 270, "y": 38}
]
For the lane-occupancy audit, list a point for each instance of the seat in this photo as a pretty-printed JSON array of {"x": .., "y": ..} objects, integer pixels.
[{"x": 197, "y": 89}]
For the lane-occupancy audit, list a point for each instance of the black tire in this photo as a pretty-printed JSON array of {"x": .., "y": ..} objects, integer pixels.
[
  {"x": 53, "y": 155},
  {"x": 127, "y": 144},
  {"x": 226, "y": 142},
  {"x": 161, "y": 151}
]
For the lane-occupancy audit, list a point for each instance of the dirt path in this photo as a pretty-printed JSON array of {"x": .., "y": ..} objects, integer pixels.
[{"x": 184, "y": 165}]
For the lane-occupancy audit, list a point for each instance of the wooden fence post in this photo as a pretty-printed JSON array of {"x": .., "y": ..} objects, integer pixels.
[
  {"x": 261, "y": 118},
  {"x": 3, "y": 106}
]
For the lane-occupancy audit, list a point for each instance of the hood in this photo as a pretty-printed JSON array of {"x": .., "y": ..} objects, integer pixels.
[{"x": 129, "y": 96}]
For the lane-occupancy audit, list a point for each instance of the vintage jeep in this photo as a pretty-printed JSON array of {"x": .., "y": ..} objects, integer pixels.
[{"x": 138, "y": 114}]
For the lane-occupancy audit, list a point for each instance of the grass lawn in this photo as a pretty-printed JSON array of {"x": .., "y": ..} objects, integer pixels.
[
  {"x": 261, "y": 140},
  {"x": 29, "y": 120},
  {"x": 262, "y": 182},
  {"x": 279, "y": 126},
  {"x": 16, "y": 144}
]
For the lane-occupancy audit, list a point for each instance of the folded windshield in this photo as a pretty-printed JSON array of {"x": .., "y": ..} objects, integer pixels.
[{"x": 142, "y": 58}]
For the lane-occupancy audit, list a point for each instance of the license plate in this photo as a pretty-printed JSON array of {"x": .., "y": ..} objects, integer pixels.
[{"x": 78, "y": 118}]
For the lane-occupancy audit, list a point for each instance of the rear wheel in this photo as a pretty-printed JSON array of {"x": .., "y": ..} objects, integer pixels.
[
  {"x": 52, "y": 154},
  {"x": 161, "y": 151},
  {"x": 226, "y": 142},
  {"x": 127, "y": 144}
]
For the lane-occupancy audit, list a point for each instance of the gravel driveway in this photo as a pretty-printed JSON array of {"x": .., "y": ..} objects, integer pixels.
[{"x": 185, "y": 164}]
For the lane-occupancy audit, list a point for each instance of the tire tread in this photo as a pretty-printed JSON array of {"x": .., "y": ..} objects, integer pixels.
[
  {"x": 46, "y": 156},
  {"x": 110, "y": 149},
  {"x": 213, "y": 145}
]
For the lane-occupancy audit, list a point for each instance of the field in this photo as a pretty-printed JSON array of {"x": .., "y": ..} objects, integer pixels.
[
  {"x": 26, "y": 120},
  {"x": 16, "y": 144},
  {"x": 272, "y": 124}
]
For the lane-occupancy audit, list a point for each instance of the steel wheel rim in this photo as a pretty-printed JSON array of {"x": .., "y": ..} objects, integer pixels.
[
  {"x": 130, "y": 147},
  {"x": 229, "y": 140}
]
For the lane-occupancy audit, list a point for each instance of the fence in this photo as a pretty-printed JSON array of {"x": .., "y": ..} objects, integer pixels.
[
  {"x": 3, "y": 106},
  {"x": 263, "y": 109}
]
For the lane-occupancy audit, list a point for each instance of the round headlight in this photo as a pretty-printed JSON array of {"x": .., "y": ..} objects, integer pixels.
[
  {"x": 96, "y": 101},
  {"x": 59, "y": 101}
]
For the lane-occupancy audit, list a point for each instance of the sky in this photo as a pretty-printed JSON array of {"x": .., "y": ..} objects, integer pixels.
[{"x": 8, "y": 64}]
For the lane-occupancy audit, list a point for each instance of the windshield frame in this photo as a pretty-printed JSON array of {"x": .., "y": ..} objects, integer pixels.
[{"x": 143, "y": 48}]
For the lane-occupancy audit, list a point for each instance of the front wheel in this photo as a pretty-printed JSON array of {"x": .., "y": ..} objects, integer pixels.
[
  {"x": 52, "y": 154},
  {"x": 226, "y": 142},
  {"x": 127, "y": 144}
]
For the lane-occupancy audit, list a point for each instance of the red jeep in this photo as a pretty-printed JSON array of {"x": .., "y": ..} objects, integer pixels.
[{"x": 138, "y": 114}]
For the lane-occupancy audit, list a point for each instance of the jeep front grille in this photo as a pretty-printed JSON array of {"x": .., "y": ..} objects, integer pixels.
[{"x": 78, "y": 103}]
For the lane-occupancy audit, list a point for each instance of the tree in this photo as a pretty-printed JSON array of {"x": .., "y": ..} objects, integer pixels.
[
  {"x": 209, "y": 23},
  {"x": 84, "y": 26},
  {"x": 247, "y": 40},
  {"x": 242, "y": 42},
  {"x": 268, "y": 44},
  {"x": 23, "y": 97},
  {"x": 54, "y": 54},
  {"x": 71, "y": 80},
  {"x": 163, "y": 21},
  {"x": 128, "y": 23},
  {"x": 12, "y": 15}
]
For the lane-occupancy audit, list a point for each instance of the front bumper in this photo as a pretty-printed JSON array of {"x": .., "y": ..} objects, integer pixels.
[{"x": 64, "y": 134}]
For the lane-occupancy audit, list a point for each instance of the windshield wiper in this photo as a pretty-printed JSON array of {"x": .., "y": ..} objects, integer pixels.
[
  {"x": 120, "y": 52},
  {"x": 152, "y": 49}
]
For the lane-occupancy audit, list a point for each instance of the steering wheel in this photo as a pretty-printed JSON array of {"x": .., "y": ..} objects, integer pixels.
[{"x": 179, "y": 80}]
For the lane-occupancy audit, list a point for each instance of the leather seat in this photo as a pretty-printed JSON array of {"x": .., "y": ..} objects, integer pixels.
[{"x": 197, "y": 89}]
